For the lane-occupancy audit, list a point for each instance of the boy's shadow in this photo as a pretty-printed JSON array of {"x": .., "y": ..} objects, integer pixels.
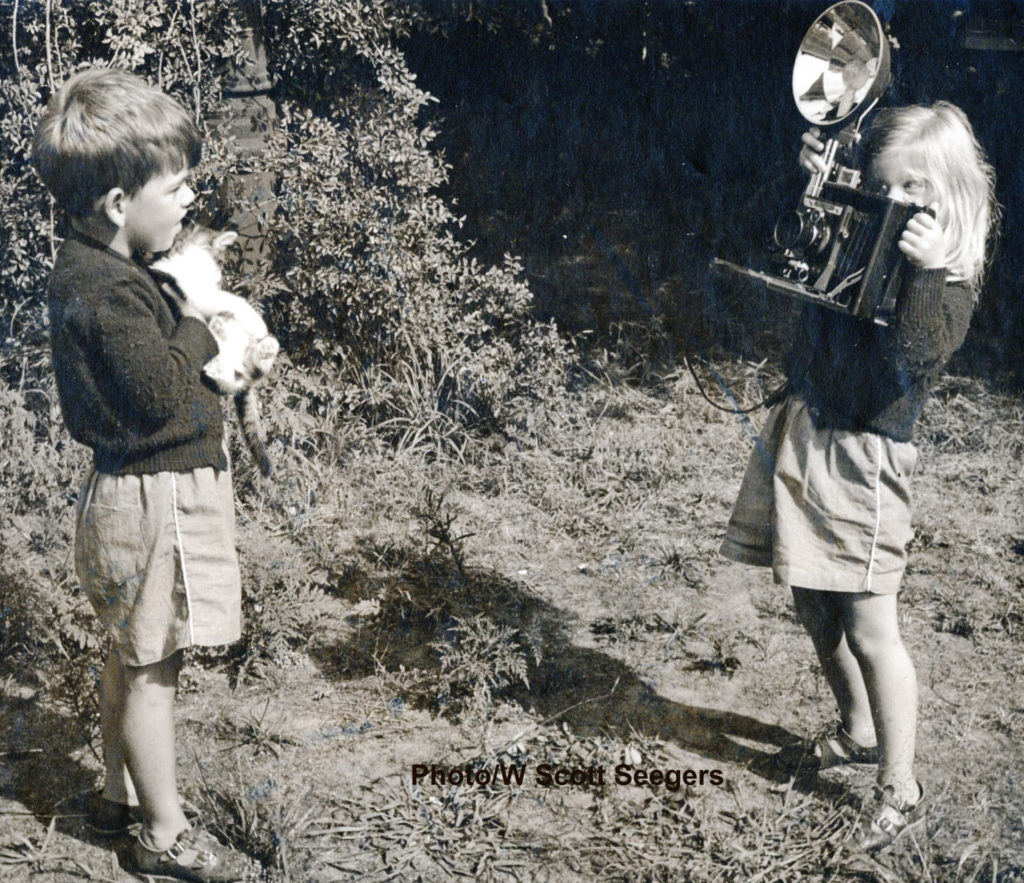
[{"x": 591, "y": 691}]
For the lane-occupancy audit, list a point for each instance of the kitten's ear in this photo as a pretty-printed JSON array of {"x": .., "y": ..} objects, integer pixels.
[{"x": 222, "y": 240}]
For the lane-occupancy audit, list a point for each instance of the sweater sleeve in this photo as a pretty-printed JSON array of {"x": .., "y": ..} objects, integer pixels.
[
  {"x": 149, "y": 373},
  {"x": 931, "y": 321}
]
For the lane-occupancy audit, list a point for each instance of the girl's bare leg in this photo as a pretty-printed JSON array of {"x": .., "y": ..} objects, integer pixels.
[
  {"x": 822, "y": 618},
  {"x": 872, "y": 630}
]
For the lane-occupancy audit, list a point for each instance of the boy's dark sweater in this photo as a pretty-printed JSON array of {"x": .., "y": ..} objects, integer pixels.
[
  {"x": 856, "y": 375},
  {"x": 128, "y": 366}
]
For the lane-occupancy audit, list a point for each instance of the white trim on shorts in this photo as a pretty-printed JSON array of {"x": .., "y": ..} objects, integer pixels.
[
  {"x": 878, "y": 512},
  {"x": 181, "y": 560}
]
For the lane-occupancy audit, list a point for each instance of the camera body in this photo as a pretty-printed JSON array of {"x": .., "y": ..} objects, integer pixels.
[{"x": 839, "y": 248}]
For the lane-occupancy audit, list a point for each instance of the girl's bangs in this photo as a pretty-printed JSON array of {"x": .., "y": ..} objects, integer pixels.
[{"x": 912, "y": 157}]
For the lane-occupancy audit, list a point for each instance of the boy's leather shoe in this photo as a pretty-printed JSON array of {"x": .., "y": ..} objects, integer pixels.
[
  {"x": 196, "y": 856},
  {"x": 109, "y": 818}
]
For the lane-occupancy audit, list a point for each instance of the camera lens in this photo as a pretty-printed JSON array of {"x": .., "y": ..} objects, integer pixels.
[{"x": 801, "y": 230}]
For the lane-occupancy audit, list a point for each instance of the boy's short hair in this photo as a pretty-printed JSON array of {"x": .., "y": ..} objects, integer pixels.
[{"x": 107, "y": 128}]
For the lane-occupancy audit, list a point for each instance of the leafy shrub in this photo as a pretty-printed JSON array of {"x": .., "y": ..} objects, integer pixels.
[
  {"x": 36, "y": 497},
  {"x": 428, "y": 343},
  {"x": 364, "y": 271},
  {"x": 47, "y": 631},
  {"x": 282, "y": 599}
]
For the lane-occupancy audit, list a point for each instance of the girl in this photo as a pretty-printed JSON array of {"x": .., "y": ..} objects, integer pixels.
[{"x": 825, "y": 499}]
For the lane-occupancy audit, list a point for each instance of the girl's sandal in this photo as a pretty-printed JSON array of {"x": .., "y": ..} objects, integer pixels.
[
  {"x": 833, "y": 748},
  {"x": 885, "y": 820},
  {"x": 195, "y": 856}
]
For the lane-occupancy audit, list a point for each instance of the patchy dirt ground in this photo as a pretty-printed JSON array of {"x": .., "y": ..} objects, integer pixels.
[{"x": 639, "y": 645}]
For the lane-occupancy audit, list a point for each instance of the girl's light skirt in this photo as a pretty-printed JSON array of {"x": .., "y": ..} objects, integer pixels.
[{"x": 826, "y": 509}]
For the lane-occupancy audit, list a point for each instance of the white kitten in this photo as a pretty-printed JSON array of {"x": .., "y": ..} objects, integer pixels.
[{"x": 246, "y": 350}]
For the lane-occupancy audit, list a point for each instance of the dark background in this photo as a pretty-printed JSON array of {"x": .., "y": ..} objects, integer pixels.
[{"x": 616, "y": 146}]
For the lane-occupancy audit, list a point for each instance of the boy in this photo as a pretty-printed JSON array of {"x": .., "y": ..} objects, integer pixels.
[{"x": 154, "y": 540}]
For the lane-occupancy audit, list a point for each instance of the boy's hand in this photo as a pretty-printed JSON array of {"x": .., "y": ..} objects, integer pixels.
[
  {"x": 810, "y": 153},
  {"x": 924, "y": 241}
]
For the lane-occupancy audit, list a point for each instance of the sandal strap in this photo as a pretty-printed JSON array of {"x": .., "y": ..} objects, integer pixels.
[
  {"x": 835, "y": 747},
  {"x": 852, "y": 751},
  {"x": 887, "y": 818},
  {"x": 196, "y": 855},
  {"x": 189, "y": 842},
  {"x": 887, "y": 797}
]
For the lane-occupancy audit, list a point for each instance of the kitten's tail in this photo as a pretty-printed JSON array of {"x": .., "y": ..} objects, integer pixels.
[{"x": 248, "y": 408}]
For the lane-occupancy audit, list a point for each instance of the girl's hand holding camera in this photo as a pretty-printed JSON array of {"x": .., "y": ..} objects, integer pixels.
[
  {"x": 810, "y": 152},
  {"x": 923, "y": 240}
]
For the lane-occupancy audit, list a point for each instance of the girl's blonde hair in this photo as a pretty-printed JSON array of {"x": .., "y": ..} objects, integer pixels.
[{"x": 937, "y": 144}]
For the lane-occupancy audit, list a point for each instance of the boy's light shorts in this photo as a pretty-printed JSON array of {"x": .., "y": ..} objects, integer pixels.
[
  {"x": 826, "y": 509},
  {"x": 156, "y": 557}
]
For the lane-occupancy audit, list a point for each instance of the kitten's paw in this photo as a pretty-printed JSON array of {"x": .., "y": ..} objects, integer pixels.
[
  {"x": 268, "y": 348},
  {"x": 218, "y": 326},
  {"x": 266, "y": 351},
  {"x": 225, "y": 379}
]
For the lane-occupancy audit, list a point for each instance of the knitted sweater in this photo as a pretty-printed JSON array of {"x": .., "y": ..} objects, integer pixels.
[
  {"x": 857, "y": 375},
  {"x": 128, "y": 366}
]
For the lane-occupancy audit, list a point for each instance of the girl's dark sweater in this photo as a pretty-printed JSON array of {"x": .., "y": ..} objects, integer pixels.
[
  {"x": 856, "y": 375},
  {"x": 128, "y": 366}
]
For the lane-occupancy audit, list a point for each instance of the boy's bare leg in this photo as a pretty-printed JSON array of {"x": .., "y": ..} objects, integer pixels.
[
  {"x": 872, "y": 629},
  {"x": 148, "y": 730},
  {"x": 118, "y": 786},
  {"x": 822, "y": 618}
]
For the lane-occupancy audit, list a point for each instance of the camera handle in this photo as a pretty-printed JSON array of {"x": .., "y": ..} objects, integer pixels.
[
  {"x": 845, "y": 174},
  {"x": 818, "y": 179}
]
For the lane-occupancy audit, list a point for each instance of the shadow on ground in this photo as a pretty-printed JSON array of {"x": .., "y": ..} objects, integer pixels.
[
  {"x": 38, "y": 768},
  {"x": 593, "y": 692}
]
